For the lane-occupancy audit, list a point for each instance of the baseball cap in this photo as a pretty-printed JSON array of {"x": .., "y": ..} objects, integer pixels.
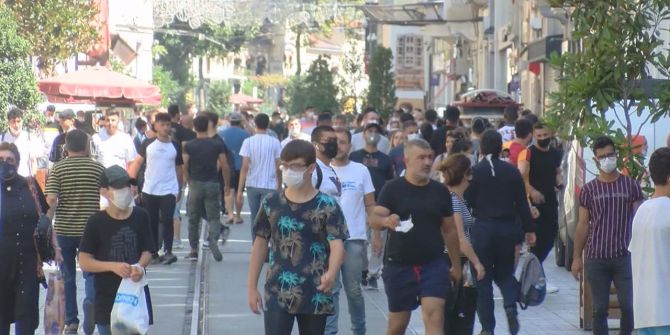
[
  {"x": 66, "y": 114},
  {"x": 115, "y": 177},
  {"x": 374, "y": 125},
  {"x": 235, "y": 117}
]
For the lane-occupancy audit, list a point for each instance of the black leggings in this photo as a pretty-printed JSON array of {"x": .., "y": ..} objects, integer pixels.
[
  {"x": 161, "y": 210},
  {"x": 280, "y": 322}
]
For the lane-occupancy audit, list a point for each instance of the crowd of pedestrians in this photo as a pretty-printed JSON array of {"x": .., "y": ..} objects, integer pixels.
[{"x": 337, "y": 204}]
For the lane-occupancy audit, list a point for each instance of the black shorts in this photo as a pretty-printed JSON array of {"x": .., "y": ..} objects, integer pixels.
[
  {"x": 405, "y": 285},
  {"x": 234, "y": 180}
]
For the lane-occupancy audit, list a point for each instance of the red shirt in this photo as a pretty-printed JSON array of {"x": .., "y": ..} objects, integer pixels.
[{"x": 518, "y": 152}]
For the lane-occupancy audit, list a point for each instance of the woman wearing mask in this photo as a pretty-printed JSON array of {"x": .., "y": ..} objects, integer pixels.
[
  {"x": 397, "y": 138},
  {"x": 19, "y": 265},
  {"x": 459, "y": 320}
]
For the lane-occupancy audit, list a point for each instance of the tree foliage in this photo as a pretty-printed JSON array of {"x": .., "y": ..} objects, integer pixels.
[
  {"x": 17, "y": 80},
  {"x": 316, "y": 89},
  {"x": 352, "y": 76},
  {"x": 218, "y": 97},
  {"x": 169, "y": 87},
  {"x": 381, "y": 93},
  {"x": 618, "y": 46},
  {"x": 55, "y": 29},
  {"x": 181, "y": 47}
]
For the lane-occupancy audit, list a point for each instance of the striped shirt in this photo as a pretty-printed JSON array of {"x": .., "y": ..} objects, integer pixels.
[
  {"x": 461, "y": 207},
  {"x": 610, "y": 207},
  {"x": 263, "y": 152},
  {"x": 76, "y": 182}
]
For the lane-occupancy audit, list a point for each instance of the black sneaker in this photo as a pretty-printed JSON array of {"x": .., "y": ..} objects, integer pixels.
[
  {"x": 155, "y": 259},
  {"x": 89, "y": 323},
  {"x": 372, "y": 284},
  {"x": 216, "y": 253},
  {"x": 485, "y": 332},
  {"x": 512, "y": 320},
  {"x": 169, "y": 259},
  {"x": 192, "y": 256},
  {"x": 364, "y": 279}
]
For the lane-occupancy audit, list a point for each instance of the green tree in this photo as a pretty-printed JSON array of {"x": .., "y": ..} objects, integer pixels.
[
  {"x": 169, "y": 87},
  {"x": 316, "y": 89},
  {"x": 381, "y": 93},
  {"x": 218, "y": 95},
  {"x": 17, "y": 81},
  {"x": 617, "y": 46},
  {"x": 349, "y": 82},
  {"x": 182, "y": 44},
  {"x": 56, "y": 30}
]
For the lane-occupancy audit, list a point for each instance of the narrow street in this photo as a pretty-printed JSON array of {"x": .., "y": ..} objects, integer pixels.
[{"x": 223, "y": 306}]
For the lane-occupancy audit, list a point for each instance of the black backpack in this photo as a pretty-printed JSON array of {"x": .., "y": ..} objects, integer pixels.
[
  {"x": 44, "y": 230},
  {"x": 319, "y": 177}
]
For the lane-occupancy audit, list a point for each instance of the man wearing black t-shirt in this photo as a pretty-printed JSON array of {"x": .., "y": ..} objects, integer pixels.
[
  {"x": 117, "y": 243},
  {"x": 417, "y": 213},
  {"x": 202, "y": 157},
  {"x": 545, "y": 164},
  {"x": 381, "y": 170}
]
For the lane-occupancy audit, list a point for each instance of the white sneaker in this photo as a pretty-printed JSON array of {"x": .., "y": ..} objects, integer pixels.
[
  {"x": 177, "y": 244},
  {"x": 552, "y": 289}
]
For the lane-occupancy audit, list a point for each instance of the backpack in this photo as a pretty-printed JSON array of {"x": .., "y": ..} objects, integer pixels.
[
  {"x": 532, "y": 282},
  {"x": 319, "y": 177}
]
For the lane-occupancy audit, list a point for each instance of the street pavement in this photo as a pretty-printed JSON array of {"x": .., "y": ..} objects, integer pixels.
[{"x": 225, "y": 309}]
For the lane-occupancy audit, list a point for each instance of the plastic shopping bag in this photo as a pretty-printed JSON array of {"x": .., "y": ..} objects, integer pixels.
[
  {"x": 54, "y": 307},
  {"x": 130, "y": 313}
]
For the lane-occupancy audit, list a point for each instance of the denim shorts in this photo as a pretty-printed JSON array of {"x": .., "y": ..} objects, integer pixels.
[{"x": 405, "y": 285}]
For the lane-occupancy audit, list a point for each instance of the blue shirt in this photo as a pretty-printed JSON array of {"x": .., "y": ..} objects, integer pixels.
[
  {"x": 397, "y": 155},
  {"x": 233, "y": 137}
]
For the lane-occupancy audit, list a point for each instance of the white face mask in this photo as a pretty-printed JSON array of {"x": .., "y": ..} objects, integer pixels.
[
  {"x": 608, "y": 164},
  {"x": 293, "y": 178},
  {"x": 122, "y": 198},
  {"x": 414, "y": 136}
]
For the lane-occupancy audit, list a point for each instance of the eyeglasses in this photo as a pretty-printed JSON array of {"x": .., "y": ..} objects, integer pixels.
[{"x": 610, "y": 155}]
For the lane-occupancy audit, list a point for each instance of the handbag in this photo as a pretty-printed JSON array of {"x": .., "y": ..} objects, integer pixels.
[
  {"x": 54, "y": 306},
  {"x": 131, "y": 313},
  {"x": 43, "y": 231}
]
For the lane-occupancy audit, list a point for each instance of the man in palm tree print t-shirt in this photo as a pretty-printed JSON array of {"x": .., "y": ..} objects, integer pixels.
[{"x": 299, "y": 235}]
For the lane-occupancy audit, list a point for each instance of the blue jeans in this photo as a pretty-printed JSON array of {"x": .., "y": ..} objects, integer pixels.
[
  {"x": 600, "y": 274},
  {"x": 494, "y": 242},
  {"x": 355, "y": 253},
  {"x": 255, "y": 196},
  {"x": 69, "y": 246}
]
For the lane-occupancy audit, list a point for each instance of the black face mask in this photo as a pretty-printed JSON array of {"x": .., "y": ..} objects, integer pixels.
[
  {"x": 330, "y": 149},
  {"x": 544, "y": 143},
  {"x": 7, "y": 170}
]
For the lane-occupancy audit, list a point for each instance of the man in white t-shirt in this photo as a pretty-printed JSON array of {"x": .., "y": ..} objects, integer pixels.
[
  {"x": 649, "y": 248},
  {"x": 324, "y": 177},
  {"x": 358, "y": 197},
  {"x": 260, "y": 172},
  {"x": 163, "y": 178},
  {"x": 294, "y": 132},
  {"x": 113, "y": 146},
  {"x": 28, "y": 144}
]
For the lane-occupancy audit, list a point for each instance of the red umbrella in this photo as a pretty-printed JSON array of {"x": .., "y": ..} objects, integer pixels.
[
  {"x": 98, "y": 84},
  {"x": 242, "y": 99}
]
